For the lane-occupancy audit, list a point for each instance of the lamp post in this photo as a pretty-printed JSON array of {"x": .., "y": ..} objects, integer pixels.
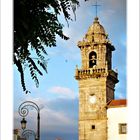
[
  {"x": 27, "y": 133},
  {"x": 23, "y": 111}
]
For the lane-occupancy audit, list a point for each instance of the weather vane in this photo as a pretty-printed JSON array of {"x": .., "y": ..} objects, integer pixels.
[{"x": 96, "y": 6}]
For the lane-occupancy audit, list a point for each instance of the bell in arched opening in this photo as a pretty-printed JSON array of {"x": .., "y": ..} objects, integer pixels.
[{"x": 92, "y": 59}]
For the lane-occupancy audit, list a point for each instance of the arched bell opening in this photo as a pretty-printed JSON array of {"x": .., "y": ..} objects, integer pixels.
[{"x": 92, "y": 59}]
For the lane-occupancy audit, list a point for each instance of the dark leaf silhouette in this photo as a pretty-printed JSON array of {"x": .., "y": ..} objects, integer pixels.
[{"x": 36, "y": 26}]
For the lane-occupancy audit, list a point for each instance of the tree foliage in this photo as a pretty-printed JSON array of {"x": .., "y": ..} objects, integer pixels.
[{"x": 36, "y": 25}]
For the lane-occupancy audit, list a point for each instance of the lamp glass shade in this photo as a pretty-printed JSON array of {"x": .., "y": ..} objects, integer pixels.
[{"x": 23, "y": 123}]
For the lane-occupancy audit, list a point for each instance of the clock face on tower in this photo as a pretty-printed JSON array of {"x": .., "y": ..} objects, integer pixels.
[{"x": 92, "y": 99}]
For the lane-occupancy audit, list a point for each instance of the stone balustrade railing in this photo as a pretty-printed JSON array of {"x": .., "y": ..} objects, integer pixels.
[
  {"x": 95, "y": 71},
  {"x": 91, "y": 71},
  {"x": 88, "y": 72}
]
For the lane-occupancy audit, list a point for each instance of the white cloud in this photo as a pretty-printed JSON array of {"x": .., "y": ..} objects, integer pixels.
[
  {"x": 39, "y": 101},
  {"x": 54, "y": 120},
  {"x": 63, "y": 92}
]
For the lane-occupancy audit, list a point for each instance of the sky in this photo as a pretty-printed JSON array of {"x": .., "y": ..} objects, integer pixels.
[{"x": 57, "y": 95}]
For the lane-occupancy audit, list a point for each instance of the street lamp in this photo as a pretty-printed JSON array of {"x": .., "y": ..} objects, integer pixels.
[
  {"x": 23, "y": 123},
  {"x": 23, "y": 111},
  {"x": 27, "y": 133}
]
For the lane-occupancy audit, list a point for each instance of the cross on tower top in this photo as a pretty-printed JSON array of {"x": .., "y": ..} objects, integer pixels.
[{"x": 96, "y": 6}]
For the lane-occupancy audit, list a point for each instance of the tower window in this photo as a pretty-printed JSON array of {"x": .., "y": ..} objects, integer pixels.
[
  {"x": 93, "y": 127},
  {"x": 122, "y": 128},
  {"x": 92, "y": 59}
]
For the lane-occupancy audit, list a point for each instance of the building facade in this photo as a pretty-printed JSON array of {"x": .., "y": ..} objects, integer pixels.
[
  {"x": 117, "y": 120},
  {"x": 96, "y": 80}
]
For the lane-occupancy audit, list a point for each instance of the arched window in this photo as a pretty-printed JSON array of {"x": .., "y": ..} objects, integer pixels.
[{"x": 92, "y": 59}]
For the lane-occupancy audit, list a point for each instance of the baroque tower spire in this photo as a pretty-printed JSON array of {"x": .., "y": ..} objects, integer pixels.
[{"x": 96, "y": 80}]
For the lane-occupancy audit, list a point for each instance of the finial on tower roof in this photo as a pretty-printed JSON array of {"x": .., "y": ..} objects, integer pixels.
[
  {"x": 96, "y": 7},
  {"x": 96, "y": 19}
]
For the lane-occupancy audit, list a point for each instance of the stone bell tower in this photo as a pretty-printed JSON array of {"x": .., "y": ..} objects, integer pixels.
[{"x": 96, "y": 81}]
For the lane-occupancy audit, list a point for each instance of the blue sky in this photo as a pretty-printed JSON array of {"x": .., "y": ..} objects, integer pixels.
[{"x": 57, "y": 95}]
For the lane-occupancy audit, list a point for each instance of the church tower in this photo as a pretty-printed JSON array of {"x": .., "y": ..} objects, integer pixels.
[{"x": 96, "y": 81}]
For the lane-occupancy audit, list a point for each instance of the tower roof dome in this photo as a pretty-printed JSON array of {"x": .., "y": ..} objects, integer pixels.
[
  {"x": 95, "y": 33},
  {"x": 96, "y": 28}
]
